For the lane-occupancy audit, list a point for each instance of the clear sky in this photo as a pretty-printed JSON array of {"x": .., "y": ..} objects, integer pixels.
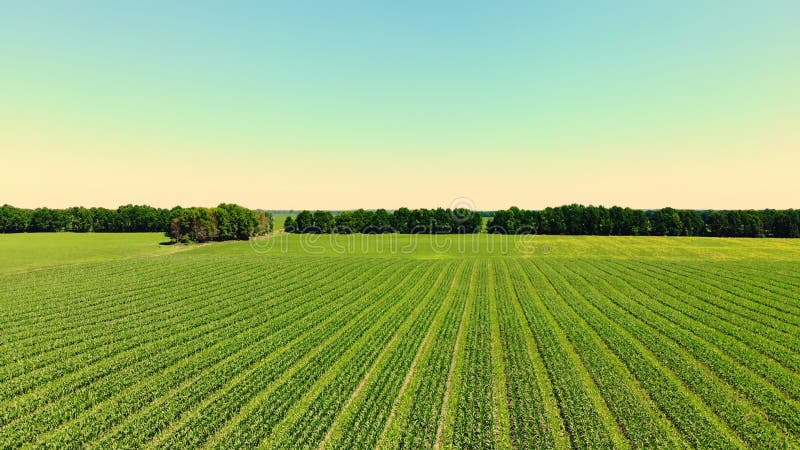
[{"x": 335, "y": 105}]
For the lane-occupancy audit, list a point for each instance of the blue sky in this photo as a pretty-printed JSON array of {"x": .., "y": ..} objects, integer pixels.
[{"x": 646, "y": 104}]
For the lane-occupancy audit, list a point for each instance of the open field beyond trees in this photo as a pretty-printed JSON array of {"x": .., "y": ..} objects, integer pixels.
[{"x": 399, "y": 341}]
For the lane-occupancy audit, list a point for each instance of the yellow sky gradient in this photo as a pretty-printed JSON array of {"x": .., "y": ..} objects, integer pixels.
[{"x": 757, "y": 173}]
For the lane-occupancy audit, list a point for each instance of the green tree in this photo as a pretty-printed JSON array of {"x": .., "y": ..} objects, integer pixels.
[
  {"x": 323, "y": 221},
  {"x": 400, "y": 220},
  {"x": 666, "y": 222},
  {"x": 304, "y": 221},
  {"x": 288, "y": 225}
]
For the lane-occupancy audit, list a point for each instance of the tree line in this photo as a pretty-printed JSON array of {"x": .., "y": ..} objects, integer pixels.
[
  {"x": 228, "y": 221},
  {"x": 598, "y": 220},
  {"x": 127, "y": 218},
  {"x": 403, "y": 220},
  {"x": 225, "y": 222}
]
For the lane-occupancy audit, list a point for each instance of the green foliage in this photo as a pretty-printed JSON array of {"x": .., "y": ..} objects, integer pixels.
[
  {"x": 228, "y": 221},
  {"x": 223, "y": 223},
  {"x": 288, "y": 224},
  {"x": 125, "y": 219},
  {"x": 597, "y": 220},
  {"x": 14, "y": 220},
  {"x": 403, "y": 221}
]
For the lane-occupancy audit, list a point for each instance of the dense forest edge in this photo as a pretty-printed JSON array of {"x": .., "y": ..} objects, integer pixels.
[
  {"x": 402, "y": 220},
  {"x": 196, "y": 224},
  {"x": 563, "y": 220},
  {"x": 233, "y": 222}
]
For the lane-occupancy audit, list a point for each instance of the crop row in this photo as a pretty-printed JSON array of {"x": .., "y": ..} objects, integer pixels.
[
  {"x": 534, "y": 414},
  {"x": 769, "y": 358},
  {"x": 362, "y": 418},
  {"x": 315, "y": 308},
  {"x": 692, "y": 362},
  {"x": 713, "y": 352},
  {"x": 55, "y": 402},
  {"x": 139, "y": 329},
  {"x": 586, "y": 416},
  {"x": 770, "y": 289},
  {"x": 417, "y": 415},
  {"x": 306, "y": 423},
  {"x": 473, "y": 415},
  {"x": 239, "y": 337},
  {"x": 229, "y": 409},
  {"x": 309, "y": 352}
]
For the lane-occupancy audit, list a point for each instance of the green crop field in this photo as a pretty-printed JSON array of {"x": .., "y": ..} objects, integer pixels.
[
  {"x": 20, "y": 252},
  {"x": 391, "y": 341}
]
